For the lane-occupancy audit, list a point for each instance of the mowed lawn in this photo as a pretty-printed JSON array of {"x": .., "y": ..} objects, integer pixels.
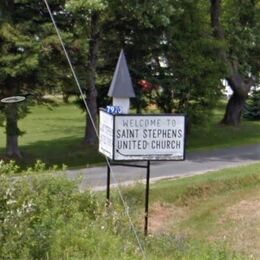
[
  {"x": 55, "y": 136},
  {"x": 215, "y": 135}
]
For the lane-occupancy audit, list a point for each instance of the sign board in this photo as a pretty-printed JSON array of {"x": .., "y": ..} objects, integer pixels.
[
  {"x": 142, "y": 137},
  {"x": 106, "y": 126}
]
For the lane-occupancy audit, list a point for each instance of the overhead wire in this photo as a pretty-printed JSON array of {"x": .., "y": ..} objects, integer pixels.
[{"x": 95, "y": 128}]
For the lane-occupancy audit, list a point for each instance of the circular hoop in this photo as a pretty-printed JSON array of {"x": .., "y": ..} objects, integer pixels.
[{"x": 13, "y": 99}]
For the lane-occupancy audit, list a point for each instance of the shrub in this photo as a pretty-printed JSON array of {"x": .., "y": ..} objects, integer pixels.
[
  {"x": 45, "y": 217},
  {"x": 8, "y": 168}
]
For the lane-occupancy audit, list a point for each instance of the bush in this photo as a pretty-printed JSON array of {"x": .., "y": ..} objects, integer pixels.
[
  {"x": 8, "y": 168},
  {"x": 45, "y": 217}
]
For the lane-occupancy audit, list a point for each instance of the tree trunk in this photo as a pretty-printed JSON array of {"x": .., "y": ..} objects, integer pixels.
[
  {"x": 12, "y": 131},
  {"x": 90, "y": 133},
  {"x": 12, "y": 147},
  {"x": 234, "y": 110},
  {"x": 237, "y": 82}
]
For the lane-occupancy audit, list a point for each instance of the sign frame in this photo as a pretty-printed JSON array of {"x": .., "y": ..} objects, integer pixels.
[{"x": 159, "y": 157}]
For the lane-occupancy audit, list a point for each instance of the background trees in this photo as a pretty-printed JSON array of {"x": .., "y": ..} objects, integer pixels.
[
  {"x": 188, "y": 71},
  {"x": 239, "y": 31},
  {"x": 31, "y": 58},
  {"x": 252, "y": 108},
  {"x": 19, "y": 62},
  {"x": 178, "y": 53}
]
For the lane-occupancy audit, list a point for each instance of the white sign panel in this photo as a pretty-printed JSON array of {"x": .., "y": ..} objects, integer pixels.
[
  {"x": 106, "y": 134},
  {"x": 151, "y": 137}
]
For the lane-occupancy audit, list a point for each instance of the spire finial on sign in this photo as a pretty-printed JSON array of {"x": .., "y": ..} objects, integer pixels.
[{"x": 121, "y": 88}]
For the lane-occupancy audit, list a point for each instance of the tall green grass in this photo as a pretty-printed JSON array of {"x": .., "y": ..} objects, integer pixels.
[{"x": 186, "y": 191}]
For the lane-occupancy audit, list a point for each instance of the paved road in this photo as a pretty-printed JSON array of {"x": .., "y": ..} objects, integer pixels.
[{"x": 195, "y": 163}]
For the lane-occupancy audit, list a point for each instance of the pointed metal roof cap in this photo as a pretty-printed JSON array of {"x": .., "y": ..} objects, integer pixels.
[{"x": 121, "y": 85}]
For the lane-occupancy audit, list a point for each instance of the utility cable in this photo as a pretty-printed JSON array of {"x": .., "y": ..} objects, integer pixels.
[{"x": 94, "y": 126}]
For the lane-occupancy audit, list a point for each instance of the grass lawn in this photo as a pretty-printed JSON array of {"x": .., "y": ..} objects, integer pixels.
[
  {"x": 215, "y": 135},
  {"x": 55, "y": 136},
  {"x": 219, "y": 210}
]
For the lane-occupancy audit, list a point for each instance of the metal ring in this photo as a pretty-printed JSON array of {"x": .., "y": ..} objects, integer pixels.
[{"x": 13, "y": 99}]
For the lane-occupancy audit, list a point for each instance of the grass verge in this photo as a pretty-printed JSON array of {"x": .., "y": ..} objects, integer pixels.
[{"x": 219, "y": 210}]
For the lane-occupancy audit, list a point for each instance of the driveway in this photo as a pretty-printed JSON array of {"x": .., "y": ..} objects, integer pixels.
[{"x": 195, "y": 163}]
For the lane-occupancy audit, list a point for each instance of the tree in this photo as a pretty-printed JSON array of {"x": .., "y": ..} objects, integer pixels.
[
  {"x": 88, "y": 18},
  {"x": 28, "y": 51},
  {"x": 187, "y": 69},
  {"x": 241, "y": 38},
  {"x": 136, "y": 27},
  {"x": 18, "y": 62},
  {"x": 252, "y": 108}
]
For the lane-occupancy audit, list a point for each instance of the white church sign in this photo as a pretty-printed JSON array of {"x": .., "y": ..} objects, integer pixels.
[{"x": 142, "y": 137}]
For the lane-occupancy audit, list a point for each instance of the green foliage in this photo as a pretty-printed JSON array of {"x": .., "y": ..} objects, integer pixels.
[
  {"x": 45, "y": 217},
  {"x": 86, "y": 6},
  {"x": 170, "y": 45},
  {"x": 8, "y": 168},
  {"x": 136, "y": 27},
  {"x": 252, "y": 108},
  {"x": 30, "y": 59},
  {"x": 241, "y": 21},
  {"x": 11, "y": 168},
  {"x": 167, "y": 43},
  {"x": 189, "y": 77},
  {"x": 19, "y": 53}
]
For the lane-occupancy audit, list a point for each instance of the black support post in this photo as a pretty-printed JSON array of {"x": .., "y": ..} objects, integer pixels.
[
  {"x": 108, "y": 185},
  {"x": 147, "y": 166},
  {"x": 147, "y": 198}
]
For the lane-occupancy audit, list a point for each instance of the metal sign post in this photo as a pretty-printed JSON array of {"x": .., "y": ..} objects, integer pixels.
[
  {"x": 108, "y": 185},
  {"x": 147, "y": 167},
  {"x": 147, "y": 198}
]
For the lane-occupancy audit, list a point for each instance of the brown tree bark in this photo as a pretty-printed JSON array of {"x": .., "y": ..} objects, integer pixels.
[
  {"x": 12, "y": 131},
  {"x": 238, "y": 83},
  {"x": 90, "y": 133},
  {"x": 11, "y": 110}
]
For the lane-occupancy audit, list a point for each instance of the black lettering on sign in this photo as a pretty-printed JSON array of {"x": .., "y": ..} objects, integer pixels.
[
  {"x": 171, "y": 122},
  {"x": 165, "y": 145},
  {"x": 180, "y": 133},
  {"x": 141, "y": 123},
  {"x": 127, "y": 133},
  {"x": 132, "y": 145}
]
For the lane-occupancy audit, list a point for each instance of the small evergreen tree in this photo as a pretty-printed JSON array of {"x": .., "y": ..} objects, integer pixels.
[{"x": 252, "y": 108}]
